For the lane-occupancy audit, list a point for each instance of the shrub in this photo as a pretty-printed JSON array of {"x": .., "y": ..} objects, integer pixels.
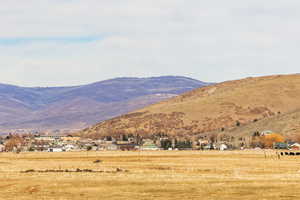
[{"x": 89, "y": 148}]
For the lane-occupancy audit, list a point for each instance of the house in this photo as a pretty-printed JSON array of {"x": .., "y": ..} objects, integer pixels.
[
  {"x": 295, "y": 146},
  {"x": 209, "y": 147},
  {"x": 280, "y": 145},
  {"x": 123, "y": 142},
  {"x": 266, "y": 132},
  {"x": 45, "y": 137},
  {"x": 128, "y": 147},
  {"x": 108, "y": 147},
  {"x": 2, "y": 148},
  {"x": 70, "y": 138},
  {"x": 203, "y": 142},
  {"x": 223, "y": 147},
  {"x": 39, "y": 145},
  {"x": 69, "y": 147},
  {"x": 55, "y": 149},
  {"x": 149, "y": 145}
]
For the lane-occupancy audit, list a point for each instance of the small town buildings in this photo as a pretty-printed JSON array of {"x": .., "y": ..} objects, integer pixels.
[
  {"x": 46, "y": 137},
  {"x": 70, "y": 138}
]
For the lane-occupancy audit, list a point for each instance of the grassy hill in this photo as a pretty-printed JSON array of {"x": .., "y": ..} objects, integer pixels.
[{"x": 242, "y": 106}]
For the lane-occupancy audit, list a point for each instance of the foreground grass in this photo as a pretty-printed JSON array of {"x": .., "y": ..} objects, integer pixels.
[{"x": 151, "y": 175}]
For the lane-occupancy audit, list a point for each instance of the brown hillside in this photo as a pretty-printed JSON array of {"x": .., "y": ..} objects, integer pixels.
[
  {"x": 287, "y": 124},
  {"x": 212, "y": 108}
]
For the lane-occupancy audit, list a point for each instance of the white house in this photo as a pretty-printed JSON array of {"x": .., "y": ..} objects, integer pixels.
[
  {"x": 149, "y": 146},
  {"x": 295, "y": 146},
  {"x": 266, "y": 132},
  {"x": 69, "y": 147},
  {"x": 223, "y": 147},
  {"x": 55, "y": 149},
  {"x": 2, "y": 147}
]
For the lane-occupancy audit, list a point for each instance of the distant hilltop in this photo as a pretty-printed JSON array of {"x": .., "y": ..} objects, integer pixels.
[
  {"x": 77, "y": 107},
  {"x": 238, "y": 107}
]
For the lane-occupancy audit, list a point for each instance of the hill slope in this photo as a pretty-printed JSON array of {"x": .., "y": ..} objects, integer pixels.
[
  {"x": 213, "y": 108},
  {"x": 287, "y": 124},
  {"x": 80, "y": 106}
]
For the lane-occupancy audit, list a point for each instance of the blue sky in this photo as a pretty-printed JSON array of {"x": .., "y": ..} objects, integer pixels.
[{"x": 71, "y": 42}]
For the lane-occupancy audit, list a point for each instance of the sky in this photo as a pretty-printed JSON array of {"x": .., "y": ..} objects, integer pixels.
[{"x": 72, "y": 42}]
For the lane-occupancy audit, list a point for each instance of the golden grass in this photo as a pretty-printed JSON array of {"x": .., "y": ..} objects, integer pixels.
[
  {"x": 262, "y": 99},
  {"x": 175, "y": 175}
]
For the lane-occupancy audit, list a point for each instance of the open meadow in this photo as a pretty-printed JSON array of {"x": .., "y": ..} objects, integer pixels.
[{"x": 158, "y": 175}]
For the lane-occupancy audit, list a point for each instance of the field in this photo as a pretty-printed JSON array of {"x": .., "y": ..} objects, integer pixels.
[{"x": 175, "y": 175}]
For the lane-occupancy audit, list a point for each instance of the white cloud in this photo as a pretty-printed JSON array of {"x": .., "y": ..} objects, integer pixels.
[{"x": 209, "y": 40}]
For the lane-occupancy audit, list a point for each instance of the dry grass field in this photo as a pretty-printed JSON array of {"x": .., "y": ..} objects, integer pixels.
[{"x": 175, "y": 175}]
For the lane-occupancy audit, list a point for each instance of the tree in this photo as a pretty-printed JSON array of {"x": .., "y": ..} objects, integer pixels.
[
  {"x": 14, "y": 142},
  {"x": 108, "y": 138},
  {"x": 166, "y": 144},
  {"x": 89, "y": 148},
  {"x": 213, "y": 138},
  {"x": 269, "y": 139},
  {"x": 124, "y": 137}
]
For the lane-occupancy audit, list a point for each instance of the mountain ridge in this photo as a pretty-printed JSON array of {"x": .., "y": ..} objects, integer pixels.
[{"x": 77, "y": 107}]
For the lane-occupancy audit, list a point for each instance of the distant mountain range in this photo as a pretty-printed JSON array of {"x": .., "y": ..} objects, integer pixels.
[
  {"x": 77, "y": 107},
  {"x": 239, "y": 107}
]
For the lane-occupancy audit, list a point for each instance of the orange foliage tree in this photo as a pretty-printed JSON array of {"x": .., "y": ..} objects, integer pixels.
[{"x": 269, "y": 139}]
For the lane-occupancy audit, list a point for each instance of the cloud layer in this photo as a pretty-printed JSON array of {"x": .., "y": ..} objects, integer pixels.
[{"x": 69, "y": 42}]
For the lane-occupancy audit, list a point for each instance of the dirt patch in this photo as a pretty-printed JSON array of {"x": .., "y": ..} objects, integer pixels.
[
  {"x": 32, "y": 189},
  {"x": 73, "y": 171}
]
